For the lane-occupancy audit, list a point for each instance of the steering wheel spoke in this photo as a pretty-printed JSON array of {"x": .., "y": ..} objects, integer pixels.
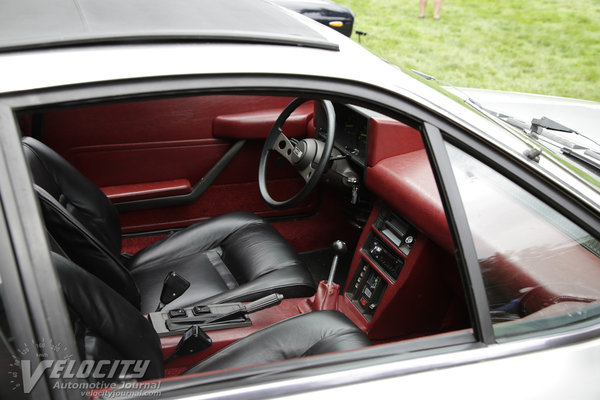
[
  {"x": 283, "y": 146},
  {"x": 307, "y": 173}
]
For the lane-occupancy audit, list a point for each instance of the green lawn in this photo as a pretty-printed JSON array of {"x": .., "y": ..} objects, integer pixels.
[{"x": 544, "y": 46}]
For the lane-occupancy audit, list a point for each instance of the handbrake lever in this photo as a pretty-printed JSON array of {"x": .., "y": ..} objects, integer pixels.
[
  {"x": 256, "y": 305},
  {"x": 264, "y": 302}
]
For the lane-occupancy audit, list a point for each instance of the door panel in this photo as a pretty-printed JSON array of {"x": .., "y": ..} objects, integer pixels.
[
  {"x": 126, "y": 164},
  {"x": 126, "y": 147}
]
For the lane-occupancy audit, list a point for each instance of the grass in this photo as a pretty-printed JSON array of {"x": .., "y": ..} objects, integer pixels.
[{"x": 542, "y": 46}]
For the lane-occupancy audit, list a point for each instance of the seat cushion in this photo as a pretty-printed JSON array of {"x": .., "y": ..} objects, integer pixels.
[
  {"x": 313, "y": 333},
  {"x": 233, "y": 257}
]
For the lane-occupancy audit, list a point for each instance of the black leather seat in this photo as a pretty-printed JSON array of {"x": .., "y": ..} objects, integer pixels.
[
  {"x": 233, "y": 257},
  {"x": 109, "y": 328}
]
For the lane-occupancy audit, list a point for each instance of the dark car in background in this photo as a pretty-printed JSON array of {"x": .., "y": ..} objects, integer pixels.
[{"x": 327, "y": 12}]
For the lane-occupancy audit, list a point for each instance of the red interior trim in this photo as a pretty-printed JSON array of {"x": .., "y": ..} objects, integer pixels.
[
  {"x": 317, "y": 231},
  {"x": 419, "y": 302},
  {"x": 141, "y": 142},
  {"x": 406, "y": 182},
  {"x": 321, "y": 229},
  {"x": 132, "y": 163},
  {"x": 257, "y": 124},
  {"x": 133, "y": 244},
  {"x": 218, "y": 199},
  {"x": 140, "y": 191},
  {"x": 155, "y": 140},
  {"x": 388, "y": 138}
]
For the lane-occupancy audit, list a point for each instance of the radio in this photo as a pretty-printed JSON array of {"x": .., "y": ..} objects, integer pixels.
[
  {"x": 386, "y": 258},
  {"x": 396, "y": 230}
]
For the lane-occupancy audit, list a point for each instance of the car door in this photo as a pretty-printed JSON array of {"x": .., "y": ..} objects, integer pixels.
[
  {"x": 162, "y": 149},
  {"x": 446, "y": 359}
]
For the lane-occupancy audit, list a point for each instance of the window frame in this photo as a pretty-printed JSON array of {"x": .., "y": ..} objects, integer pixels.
[{"x": 33, "y": 300}]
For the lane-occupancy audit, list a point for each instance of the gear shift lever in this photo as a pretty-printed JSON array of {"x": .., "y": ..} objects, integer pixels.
[
  {"x": 327, "y": 295},
  {"x": 339, "y": 248}
]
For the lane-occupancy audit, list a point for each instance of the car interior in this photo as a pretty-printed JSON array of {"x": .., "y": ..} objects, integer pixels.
[{"x": 212, "y": 232}]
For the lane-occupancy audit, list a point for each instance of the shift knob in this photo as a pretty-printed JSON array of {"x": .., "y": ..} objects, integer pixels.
[{"x": 338, "y": 247}]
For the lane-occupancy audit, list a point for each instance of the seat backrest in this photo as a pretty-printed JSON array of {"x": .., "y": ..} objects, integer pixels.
[
  {"x": 106, "y": 326},
  {"x": 79, "y": 217}
]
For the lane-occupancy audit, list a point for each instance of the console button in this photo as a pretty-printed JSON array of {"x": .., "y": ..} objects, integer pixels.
[
  {"x": 376, "y": 250},
  {"x": 177, "y": 313},
  {"x": 198, "y": 310}
]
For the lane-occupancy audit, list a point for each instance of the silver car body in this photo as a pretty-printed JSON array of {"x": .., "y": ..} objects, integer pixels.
[{"x": 534, "y": 368}]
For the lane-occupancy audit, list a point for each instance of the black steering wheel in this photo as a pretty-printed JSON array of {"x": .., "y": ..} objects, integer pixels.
[{"x": 308, "y": 156}]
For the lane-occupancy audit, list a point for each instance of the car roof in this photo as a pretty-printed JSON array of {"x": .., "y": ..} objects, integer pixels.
[{"x": 34, "y": 24}]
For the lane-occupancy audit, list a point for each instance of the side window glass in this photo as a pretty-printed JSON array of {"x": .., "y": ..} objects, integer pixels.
[{"x": 540, "y": 270}]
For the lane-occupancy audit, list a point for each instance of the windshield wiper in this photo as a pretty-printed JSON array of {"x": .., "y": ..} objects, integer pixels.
[
  {"x": 547, "y": 127},
  {"x": 558, "y": 135},
  {"x": 512, "y": 121},
  {"x": 544, "y": 126},
  {"x": 589, "y": 157},
  {"x": 547, "y": 131},
  {"x": 548, "y": 123},
  {"x": 554, "y": 131}
]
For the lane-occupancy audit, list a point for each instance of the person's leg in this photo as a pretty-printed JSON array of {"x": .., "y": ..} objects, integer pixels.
[
  {"x": 422, "y": 6},
  {"x": 437, "y": 8}
]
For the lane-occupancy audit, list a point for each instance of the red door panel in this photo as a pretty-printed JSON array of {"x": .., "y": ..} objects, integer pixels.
[
  {"x": 126, "y": 164},
  {"x": 150, "y": 144}
]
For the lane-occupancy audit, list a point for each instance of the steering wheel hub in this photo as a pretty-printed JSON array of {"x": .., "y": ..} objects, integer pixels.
[{"x": 304, "y": 153}]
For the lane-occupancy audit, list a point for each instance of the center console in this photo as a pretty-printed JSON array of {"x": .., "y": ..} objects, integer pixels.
[
  {"x": 382, "y": 257},
  {"x": 396, "y": 283},
  {"x": 208, "y": 317}
]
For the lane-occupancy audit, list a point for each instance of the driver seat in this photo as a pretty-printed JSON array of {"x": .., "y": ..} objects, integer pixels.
[{"x": 232, "y": 257}]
